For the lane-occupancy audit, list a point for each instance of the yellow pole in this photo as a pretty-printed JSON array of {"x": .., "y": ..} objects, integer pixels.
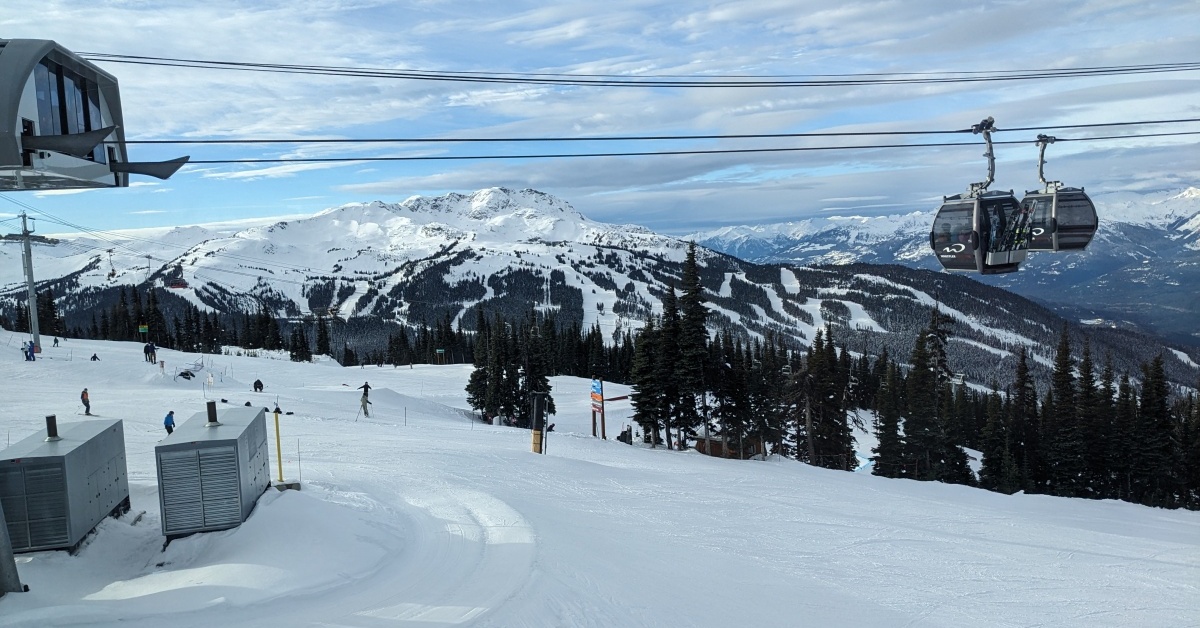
[{"x": 278, "y": 447}]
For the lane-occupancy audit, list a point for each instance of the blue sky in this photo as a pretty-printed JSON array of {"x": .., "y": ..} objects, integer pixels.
[{"x": 671, "y": 194}]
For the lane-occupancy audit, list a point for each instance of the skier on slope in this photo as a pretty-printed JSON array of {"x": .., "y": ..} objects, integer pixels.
[
  {"x": 169, "y": 422},
  {"x": 364, "y": 402},
  {"x": 366, "y": 388},
  {"x": 87, "y": 402}
]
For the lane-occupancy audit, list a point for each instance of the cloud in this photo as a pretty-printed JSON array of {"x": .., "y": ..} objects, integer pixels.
[
  {"x": 68, "y": 192},
  {"x": 801, "y": 39},
  {"x": 276, "y": 172}
]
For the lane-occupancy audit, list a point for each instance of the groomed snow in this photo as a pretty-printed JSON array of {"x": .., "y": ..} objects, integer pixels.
[{"x": 419, "y": 516}]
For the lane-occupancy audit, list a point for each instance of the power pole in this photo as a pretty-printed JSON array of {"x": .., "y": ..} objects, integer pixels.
[{"x": 26, "y": 236}]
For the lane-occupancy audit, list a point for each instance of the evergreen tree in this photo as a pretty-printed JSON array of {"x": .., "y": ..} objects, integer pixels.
[
  {"x": 692, "y": 346},
  {"x": 1094, "y": 427},
  {"x": 889, "y": 453},
  {"x": 1123, "y": 451},
  {"x": 348, "y": 356},
  {"x": 922, "y": 440},
  {"x": 1066, "y": 456},
  {"x": 155, "y": 321},
  {"x": 1154, "y": 461},
  {"x": 666, "y": 362},
  {"x": 1023, "y": 427},
  {"x": 323, "y": 336},
  {"x": 645, "y": 392},
  {"x": 995, "y": 443}
]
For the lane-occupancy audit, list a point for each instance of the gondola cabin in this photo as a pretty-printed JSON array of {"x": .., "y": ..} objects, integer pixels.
[
  {"x": 1061, "y": 219},
  {"x": 61, "y": 125},
  {"x": 177, "y": 283},
  {"x": 986, "y": 233}
]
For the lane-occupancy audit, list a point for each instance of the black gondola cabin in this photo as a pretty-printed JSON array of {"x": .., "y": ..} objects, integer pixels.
[
  {"x": 1062, "y": 219},
  {"x": 986, "y": 233}
]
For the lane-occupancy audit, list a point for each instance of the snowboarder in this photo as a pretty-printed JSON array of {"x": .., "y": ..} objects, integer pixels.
[
  {"x": 56, "y": 341},
  {"x": 95, "y": 358},
  {"x": 258, "y": 385},
  {"x": 366, "y": 388},
  {"x": 169, "y": 422},
  {"x": 87, "y": 403},
  {"x": 364, "y": 404}
]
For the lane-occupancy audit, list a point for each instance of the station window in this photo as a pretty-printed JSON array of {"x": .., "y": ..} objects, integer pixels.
[{"x": 67, "y": 103}]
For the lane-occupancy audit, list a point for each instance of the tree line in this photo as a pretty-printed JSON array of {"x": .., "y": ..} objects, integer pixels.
[{"x": 1088, "y": 432}]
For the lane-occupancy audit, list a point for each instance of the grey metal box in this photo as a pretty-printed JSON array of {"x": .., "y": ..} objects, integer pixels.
[
  {"x": 55, "y": 492},
  {"x": 209, "y": 477}
]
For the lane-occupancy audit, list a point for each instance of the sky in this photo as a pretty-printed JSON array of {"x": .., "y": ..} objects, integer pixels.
[
  {"x": 418, "y": 517},
  {"x": 628, "y": 39}
]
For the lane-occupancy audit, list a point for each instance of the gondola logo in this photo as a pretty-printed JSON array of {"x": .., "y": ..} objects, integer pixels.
[{"x": 955, "y": 248}]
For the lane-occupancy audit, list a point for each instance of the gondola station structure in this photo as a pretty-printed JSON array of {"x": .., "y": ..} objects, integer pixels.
[
  {"x": 212, "y": 470},
  {"x": 57, "y": 485},
  {"x": 61, "y": 124}
]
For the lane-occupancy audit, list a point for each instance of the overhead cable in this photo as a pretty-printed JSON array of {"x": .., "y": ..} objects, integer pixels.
[
  {"x": 715, "y": 151},
  {"x": 633, "y": 138},
  {"x": 695, "y": 81}
]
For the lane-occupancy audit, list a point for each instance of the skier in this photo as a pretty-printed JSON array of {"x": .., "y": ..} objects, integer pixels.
[
  {"x": 95, "y": 358},
  {"x": 258, "y": 385},
  {"x": 364, "y": 404},
  {"x": 366, "y": 388},
  {"x": 169, "y": 422},
  {"x": 87, "y": 403},
  {"x": 56, "y": 341},
  {"x": 153, "y": 353}
]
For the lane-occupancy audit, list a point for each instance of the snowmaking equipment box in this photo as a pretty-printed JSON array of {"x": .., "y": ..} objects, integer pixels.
[
  {"x": 55, "y": 486},
  {"x": 212, "y": 470}
]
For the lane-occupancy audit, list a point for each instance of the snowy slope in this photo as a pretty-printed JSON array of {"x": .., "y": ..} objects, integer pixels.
[
  {"x": 419, "y": 516},
  {"x": 1146, "y": 252}
]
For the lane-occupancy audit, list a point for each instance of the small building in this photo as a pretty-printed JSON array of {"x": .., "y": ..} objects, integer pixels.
[
  {"x": 55, "y": 486},
  {"x": 719, "y": 447},
  {"x": 212, "y": 470},
  {"x": 61, "y": 125}
]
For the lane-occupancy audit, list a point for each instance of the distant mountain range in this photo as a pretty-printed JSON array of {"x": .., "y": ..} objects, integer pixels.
[
  {"x": 1142, "y": 270},
  {"x": 430, "y": 260}
]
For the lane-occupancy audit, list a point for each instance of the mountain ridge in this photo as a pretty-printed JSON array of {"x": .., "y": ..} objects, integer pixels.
[{"x": 429, "y": 260}]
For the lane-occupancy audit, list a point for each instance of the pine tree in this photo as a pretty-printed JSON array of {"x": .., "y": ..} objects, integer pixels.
[
  {"x": 692, "y": 347},
  {"x": 1124, "y": 451},
  {"x": 1154, "y": 462},
  {"x": 921, "y": 437},
  {"x": 1189, "y": 440},
  {"x": 889, "y": 453},
  {"x": 1093, "y": 421},
  {"x": 646, "y": 391},
  {"x": 995, "y": 439},
  {"x": 1066, "y": 455},
  {"x": 1023, "y": 423},
  {"x": 323, "y": 336},
  {"x": 666, "y": 361}
]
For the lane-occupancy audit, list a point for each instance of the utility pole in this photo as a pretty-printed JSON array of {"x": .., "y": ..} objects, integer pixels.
[{"x": 26, "y": 236}]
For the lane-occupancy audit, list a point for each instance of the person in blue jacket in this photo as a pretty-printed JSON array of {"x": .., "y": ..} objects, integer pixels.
[{"x": 169, "y": 422}]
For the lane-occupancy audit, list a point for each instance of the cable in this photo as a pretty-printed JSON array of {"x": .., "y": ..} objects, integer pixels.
[
  {"x": 600, "y": 80},
  {"x": 634, "y": 138},
  {"x": 652, "y": 153}
]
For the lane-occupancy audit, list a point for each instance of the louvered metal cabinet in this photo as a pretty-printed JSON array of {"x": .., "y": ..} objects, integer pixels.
[
  {"x": 55, "y": 492},
  {"x": 209, "y": 478}
]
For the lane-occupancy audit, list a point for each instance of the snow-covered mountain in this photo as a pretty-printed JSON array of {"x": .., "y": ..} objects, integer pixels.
[
  {"x": 1147, "y": 252},
  {"x": 499, "y": 251}
]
